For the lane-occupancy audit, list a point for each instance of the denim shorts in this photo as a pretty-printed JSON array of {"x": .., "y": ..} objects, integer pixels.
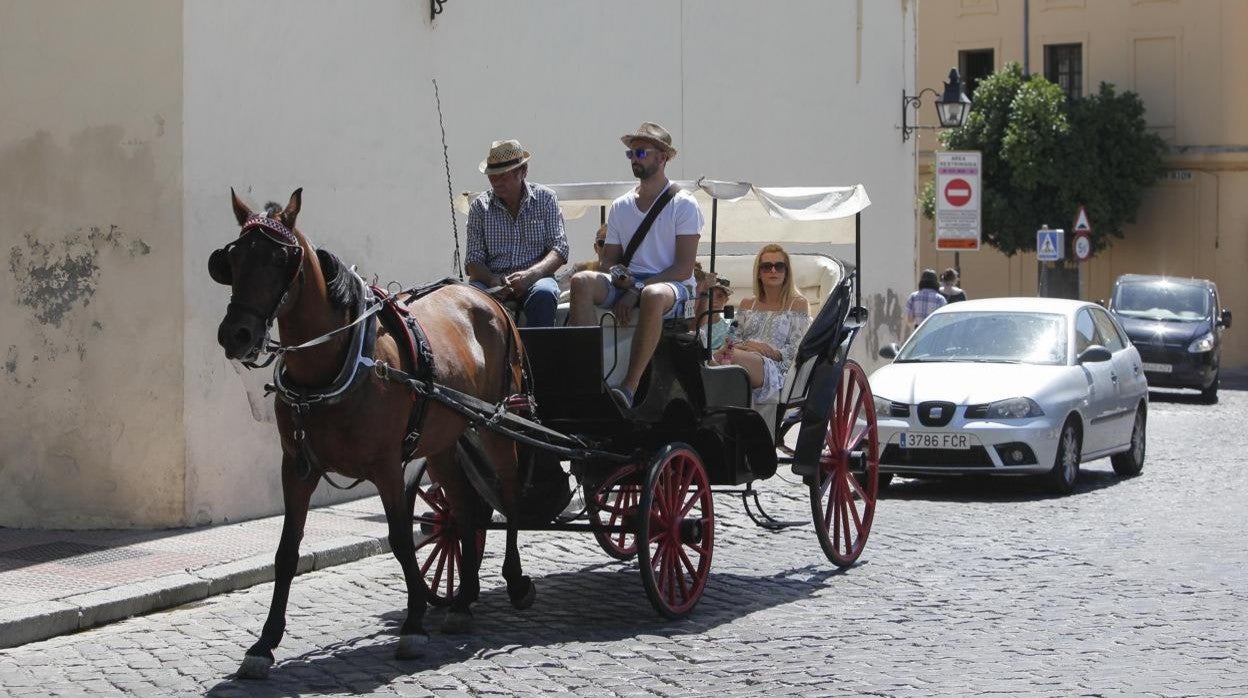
[{"x": 684, "y": 292}]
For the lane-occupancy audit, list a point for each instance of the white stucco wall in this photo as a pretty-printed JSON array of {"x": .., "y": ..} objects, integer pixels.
[
  {"x": 337, "y": 98},
  {"x": 91, "y": 286}
]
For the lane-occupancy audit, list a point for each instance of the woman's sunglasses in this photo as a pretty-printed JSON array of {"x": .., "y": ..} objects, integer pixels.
[
  {"x": 638, "y": 153},
  {"x": 772, "y": 266}
]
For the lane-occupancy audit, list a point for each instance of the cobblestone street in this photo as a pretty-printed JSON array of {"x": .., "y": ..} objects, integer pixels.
[{"x": 1127, "y": 587}]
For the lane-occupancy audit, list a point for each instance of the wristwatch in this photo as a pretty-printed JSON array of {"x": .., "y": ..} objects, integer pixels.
[{"x": 638, "y": 285}]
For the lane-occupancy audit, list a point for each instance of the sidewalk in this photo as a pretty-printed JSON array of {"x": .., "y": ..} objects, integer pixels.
[{"x": 57, "y": 582}]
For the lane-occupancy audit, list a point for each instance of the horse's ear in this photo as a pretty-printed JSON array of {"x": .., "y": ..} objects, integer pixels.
[
  {"x": 291, "y": 212},
  {"x": 241, "y": 212}
]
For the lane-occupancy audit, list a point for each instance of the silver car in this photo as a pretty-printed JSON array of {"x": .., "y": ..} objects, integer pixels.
[{"x": 1012, "y": 386}]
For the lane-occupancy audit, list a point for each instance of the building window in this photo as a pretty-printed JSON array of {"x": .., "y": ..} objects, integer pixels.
[
  {"x": 1063, "y": 65},
  {"x": 974, "y": 65}
]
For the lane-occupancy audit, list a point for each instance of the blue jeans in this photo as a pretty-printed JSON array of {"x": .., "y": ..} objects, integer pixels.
[{"x": 539, "y": 303}]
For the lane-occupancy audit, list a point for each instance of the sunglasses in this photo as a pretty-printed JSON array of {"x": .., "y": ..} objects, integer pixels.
[
  {"x": 772, "y": 266},
  {"x": 638, "y": 153}
]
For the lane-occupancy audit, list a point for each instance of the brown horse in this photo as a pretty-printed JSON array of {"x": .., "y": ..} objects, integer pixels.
[{"x": 358, "y": 431}]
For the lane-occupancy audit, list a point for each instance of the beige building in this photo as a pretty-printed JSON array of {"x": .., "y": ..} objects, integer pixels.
[{"x": 1188, "y": 61}]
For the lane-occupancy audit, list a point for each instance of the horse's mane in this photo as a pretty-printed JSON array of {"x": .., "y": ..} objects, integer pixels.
[{"x": 340, "y": 283}]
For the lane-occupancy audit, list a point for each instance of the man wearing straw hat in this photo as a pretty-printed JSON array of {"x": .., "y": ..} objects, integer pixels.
[
  {"x": 516, "y": 240},
  {"x": 652, "y": 240}
]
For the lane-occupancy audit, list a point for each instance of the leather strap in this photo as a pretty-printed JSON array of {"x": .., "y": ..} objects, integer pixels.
[{"x": 646, "y": 222}]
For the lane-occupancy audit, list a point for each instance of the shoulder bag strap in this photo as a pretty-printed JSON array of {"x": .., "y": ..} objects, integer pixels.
[{"x": 644, "y": 228}]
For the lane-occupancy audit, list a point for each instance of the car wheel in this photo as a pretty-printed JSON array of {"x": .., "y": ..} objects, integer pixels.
[
  {"x": 1209, "y": 395},
  {"x": 1129, "y": 463},
  {"x": 1061, "y": 479}
]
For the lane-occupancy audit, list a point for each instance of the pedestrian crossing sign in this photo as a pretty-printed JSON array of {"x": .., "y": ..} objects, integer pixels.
[{"x": 1049, "y": 247}]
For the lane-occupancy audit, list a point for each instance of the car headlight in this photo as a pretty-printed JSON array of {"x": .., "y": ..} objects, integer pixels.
[
  {"x": 889, "y": 408},
  {"x": 1014, "y": 408},
  {"x": 1201, "y": 344}
]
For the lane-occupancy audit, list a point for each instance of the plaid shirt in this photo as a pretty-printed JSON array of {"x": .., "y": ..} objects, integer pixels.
[
  {"x": 505, "y": 244},
  {"x": 922, "y": 303}
]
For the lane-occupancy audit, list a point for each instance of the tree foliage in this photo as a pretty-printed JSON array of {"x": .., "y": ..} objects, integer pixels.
[{"x": 1045, "y": 155}]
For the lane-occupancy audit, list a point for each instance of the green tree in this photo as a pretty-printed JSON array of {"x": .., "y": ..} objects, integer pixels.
[{"x": 1045, "y": 155}]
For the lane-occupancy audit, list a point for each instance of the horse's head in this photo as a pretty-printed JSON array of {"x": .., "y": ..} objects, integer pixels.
[{"x": 260, "y": 267}]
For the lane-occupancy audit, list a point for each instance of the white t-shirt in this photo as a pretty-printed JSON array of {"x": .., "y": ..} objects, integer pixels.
[{"x": 657, "y": 251}]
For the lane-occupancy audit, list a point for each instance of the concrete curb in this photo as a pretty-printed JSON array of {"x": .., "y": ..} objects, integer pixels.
[{"x": 31, "y": 622}]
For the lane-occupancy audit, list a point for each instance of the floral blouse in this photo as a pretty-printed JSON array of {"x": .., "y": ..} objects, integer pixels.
[{"x": 782, "y": 329}]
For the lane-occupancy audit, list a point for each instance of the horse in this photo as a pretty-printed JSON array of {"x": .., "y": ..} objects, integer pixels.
[{"x": 336, "y": 415}]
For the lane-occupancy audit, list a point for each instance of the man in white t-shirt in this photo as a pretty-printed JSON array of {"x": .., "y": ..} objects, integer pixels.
[{"x": 658, "y": 280}]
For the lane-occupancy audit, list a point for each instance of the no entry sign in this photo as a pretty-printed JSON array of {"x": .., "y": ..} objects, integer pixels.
[
  {"x": 958, "y": 192},
  {"x": 957, "y": 200}
]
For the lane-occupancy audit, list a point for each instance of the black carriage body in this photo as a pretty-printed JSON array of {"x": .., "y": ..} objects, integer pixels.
[{"x": 707, "y": 407}]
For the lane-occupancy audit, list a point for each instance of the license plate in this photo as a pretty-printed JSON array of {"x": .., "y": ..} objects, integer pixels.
[
  {"x": 961, "y": 442},
  {"x": 1157, "y": 368}
]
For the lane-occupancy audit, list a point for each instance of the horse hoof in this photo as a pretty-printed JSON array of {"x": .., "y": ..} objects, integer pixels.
[
  {"x": 411, "y": 646},
  {"x": 457, "y": 623},
  {"x": 255, "y": 667},
  {"x": 526, "y": 599}
]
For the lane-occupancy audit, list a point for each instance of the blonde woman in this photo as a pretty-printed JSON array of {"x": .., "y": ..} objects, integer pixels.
[{"x": 770, "y": 325}]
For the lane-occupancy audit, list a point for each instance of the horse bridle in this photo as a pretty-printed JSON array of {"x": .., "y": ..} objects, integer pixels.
[{"x": 219, "y": 270}]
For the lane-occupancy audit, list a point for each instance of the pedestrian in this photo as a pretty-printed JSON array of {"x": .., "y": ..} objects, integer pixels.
[
  {"x": 516, "y": 239},
  {"x": 771, "y": 325},
  {"x": 924, "y": 301},
  {"x": 652, "y": 240},
  {"x": 949, "y": 286}
]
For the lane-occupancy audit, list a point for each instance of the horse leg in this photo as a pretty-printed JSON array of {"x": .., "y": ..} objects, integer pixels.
[
  {"x": 520, "y": 589},
  {"x": 412, "y": 636},
  {"x": 505, "y": 455},
  {"x": 462, "y": 499},
  {"x": 296, "y": 494}
]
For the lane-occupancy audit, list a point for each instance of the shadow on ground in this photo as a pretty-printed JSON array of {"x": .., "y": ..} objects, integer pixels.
[
  {"x": 600, "y": 603},
  {"x": 986, "y": 488}
]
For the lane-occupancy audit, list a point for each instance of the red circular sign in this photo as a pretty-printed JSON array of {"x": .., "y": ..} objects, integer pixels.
[{"x": 958, "y": 192}]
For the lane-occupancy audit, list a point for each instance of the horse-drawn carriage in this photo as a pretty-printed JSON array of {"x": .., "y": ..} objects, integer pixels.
[
  {"x": 648, "y": 474},
  {"x": 498, "y": 411}
]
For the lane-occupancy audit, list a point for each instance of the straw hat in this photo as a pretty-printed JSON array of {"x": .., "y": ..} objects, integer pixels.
[
  {"x": 504, "y": 156},
  {"x": 652, "y": 133}
]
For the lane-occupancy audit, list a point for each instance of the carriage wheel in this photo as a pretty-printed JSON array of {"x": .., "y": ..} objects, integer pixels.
[
  {"x": 677, "y": 524},
  {"x": 615, "y": 504},
  {"x": 843, "y": 495},
  {"x": 437, "y": 547}
]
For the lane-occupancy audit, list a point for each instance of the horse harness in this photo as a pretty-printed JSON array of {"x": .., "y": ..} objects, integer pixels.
[{"x": 359, "y": 363}]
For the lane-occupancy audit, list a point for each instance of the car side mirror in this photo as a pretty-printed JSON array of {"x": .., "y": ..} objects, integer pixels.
[
  {"x": 889, "y": 351},
  {"x": 1101, "y": 302},
  {"x": 1094, "y": 354},
  {"x": 1225, "y": 320}
]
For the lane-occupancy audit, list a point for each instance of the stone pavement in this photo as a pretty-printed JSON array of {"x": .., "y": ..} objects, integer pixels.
[
  {"x": 56, "y": 582},
  {"x": 1127, "y": 587}
]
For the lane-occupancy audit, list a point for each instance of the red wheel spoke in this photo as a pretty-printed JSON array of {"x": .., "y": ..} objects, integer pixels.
[{"x": 442, "y": 558}]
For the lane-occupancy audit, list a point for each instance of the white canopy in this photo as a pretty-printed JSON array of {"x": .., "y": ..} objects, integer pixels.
[{"x": 746, "y": 213}]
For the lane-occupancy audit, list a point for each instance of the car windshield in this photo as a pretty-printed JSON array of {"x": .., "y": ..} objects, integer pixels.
[
  {"x": 989, "y": 337},
  {"x": 1161, "y": 300}
]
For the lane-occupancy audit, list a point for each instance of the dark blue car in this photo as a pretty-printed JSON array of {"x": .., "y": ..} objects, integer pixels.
[{"x": 1176, "y": 324}]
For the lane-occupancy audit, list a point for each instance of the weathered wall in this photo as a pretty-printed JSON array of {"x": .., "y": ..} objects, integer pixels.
[
  {"x": 1188, "y": 61},
  {"x": 91, "y": 287}
]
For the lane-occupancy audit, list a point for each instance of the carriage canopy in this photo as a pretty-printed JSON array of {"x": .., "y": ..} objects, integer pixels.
[{"x": 746, "y": 213}]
